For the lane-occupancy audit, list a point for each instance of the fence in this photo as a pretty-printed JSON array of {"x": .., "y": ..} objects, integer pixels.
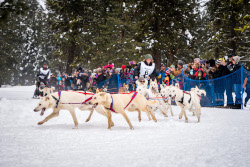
[{"x": 227, "y": 89}]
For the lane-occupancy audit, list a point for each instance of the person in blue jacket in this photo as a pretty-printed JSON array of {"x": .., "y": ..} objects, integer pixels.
[{"x": 162, "y": 73}]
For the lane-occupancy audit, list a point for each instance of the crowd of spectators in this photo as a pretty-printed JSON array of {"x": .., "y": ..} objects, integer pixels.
[{"x": 86, "y": 79}]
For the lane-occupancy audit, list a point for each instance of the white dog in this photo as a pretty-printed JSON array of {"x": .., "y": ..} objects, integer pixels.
[
  {"x": 47, "y": 91},
  {"x": 186, "y": 100},
  {"x": 153, "y": 87},
  {"x": 165, "y": 94},
  {"x": 68, "y": 100},
  {"x": 150, "y": 95},
  {"x": 117, "y": 103}
]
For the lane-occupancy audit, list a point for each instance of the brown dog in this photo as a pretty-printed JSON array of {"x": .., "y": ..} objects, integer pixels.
[{"x": 124, "y": 89}]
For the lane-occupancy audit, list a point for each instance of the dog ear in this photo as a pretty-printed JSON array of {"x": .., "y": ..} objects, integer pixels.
[
  {"x": 124, "y": 84},
  {"x": 155, "y": 80},
  {"x": 177, "y": 85},
  {"x": 97, "y": 90},
  {"x": 46, "y": 98},
  {"x": 164, "y": 86},
  {"x": 196, "y": 87}
]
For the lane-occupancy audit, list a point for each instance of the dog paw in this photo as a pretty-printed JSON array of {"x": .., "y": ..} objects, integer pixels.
[
  {"x": 186, "y": 121},
  {"x": 132, "y": 128},
  {"x": 76, "y": 127},
  {"x": 87, "y": 120},
  {"x": 40, "y": 123}
]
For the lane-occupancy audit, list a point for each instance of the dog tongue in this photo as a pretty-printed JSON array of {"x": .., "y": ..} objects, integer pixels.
[
  {"x": 42, "y": 112},
  {"x": 94, "y": 106}
]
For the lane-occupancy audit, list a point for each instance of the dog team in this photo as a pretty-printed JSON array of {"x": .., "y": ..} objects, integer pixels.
[{"x": 144, "y": 99}]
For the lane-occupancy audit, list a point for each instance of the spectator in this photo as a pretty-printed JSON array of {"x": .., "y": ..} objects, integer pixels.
[
  {"x": 84, "y": 80},
  {"x": 200, "y": 75},
  {"x": 122, "y": 74},
  {"x": 74, "y": 81},
  {"x": 246, "y": 86},
  {"x": 162, "y": 73},
  {"x": 129, "y": 73},
  {"x": 59, "y": 78},
  {"x": 60, "y": 86},
  {"x": 100, "y": 78},
  {"x": 146, "y": 68},
  {"x": 237, "y": 81},
  {"x": 108, "y": 73},
  {"x": 63, "y": 83},
  {"x": 67, "y": 82},
  {"x": 53, "y": 81},
  {"x": 179, "y": 70}
]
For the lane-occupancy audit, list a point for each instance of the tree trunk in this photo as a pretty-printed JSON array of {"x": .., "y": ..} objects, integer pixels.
[
  {"x": 71, "y": 57},
  {"x": 233, "y": 34},
  {"x": 157, "y": 58}
]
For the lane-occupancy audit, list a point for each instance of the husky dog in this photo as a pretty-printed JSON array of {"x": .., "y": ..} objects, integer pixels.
[
  {"x": 124, "y": 89},
  {"x": 186, "y": 100},
  {"x": 153, "y": 86},
  {"x": 165, "y": 94}
]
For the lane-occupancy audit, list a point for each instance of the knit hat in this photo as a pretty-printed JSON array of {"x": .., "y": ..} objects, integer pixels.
[
  {"x": 180, "y": 62},
  {"x": 236, "y": 59},
  {"x": 162, "y": 65},
  {"x": 123, "y": 67},
  {"x": 168, "y": 72},
  {"x": 141, "y": 79},
  {"x": 148, "y": 56},
  {"x": 222, "y": 59},
  {"x": 203, "y": 61},
  {"x": 218, "y": 62},
  {"x": 197, "y": 59}
]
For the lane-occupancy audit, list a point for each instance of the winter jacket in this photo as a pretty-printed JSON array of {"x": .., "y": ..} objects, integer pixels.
[
  {"x": 67, "y": 81},
  {"x": 100, "y": 78},
  {"x": 84, "y": 80},
  {"x": 162, "y": 75},
  {"x": 177, "y": 72}
]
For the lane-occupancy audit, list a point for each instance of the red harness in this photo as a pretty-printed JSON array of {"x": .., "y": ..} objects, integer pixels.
[
  {"x": 59, "y": 96},
  {"x": 111, "y": 105}
]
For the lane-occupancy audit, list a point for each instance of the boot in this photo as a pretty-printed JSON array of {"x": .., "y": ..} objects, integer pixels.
[{"x": 237, "y": 106}]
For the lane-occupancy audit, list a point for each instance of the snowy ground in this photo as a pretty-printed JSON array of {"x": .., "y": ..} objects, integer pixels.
[{"x": 221, "y": 139}]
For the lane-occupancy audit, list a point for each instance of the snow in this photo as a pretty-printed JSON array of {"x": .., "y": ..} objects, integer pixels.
[{"x": 222, "y": 137}]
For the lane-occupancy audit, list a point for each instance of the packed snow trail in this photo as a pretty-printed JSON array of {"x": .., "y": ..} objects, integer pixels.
[{"x": 221, "y": 139}]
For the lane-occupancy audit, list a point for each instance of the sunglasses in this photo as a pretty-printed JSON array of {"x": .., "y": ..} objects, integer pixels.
[{"x": 142, "y": 81}]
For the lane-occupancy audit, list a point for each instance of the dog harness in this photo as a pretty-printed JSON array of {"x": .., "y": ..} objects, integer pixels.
[
  {"x": 131, "y": 99},
  {"x": 59, "y": 95},
  {"x": 111, "y": 105},
  {"x": 182, "y": 99}
]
